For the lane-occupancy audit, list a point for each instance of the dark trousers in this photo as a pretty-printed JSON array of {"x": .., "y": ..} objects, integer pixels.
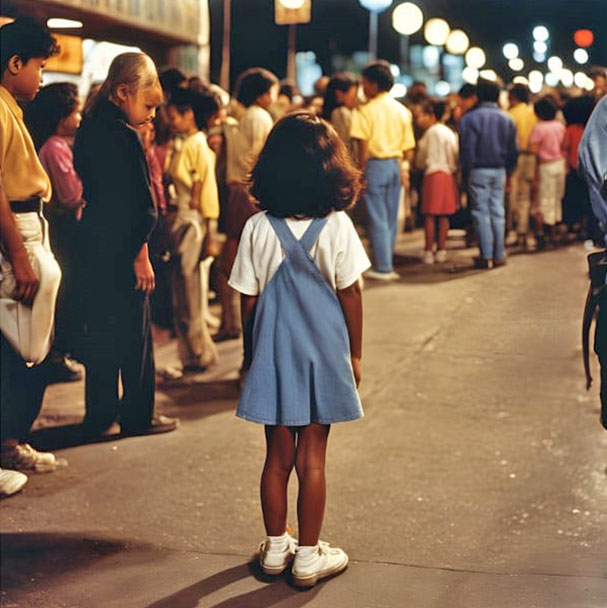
[
  {"x": 63, "y": 234},
  {"x": 21, "y": 393},
  {"x": 118, "y": 340}
]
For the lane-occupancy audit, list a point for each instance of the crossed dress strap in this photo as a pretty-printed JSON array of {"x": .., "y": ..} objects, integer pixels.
[{"x": 287, "y": 239}]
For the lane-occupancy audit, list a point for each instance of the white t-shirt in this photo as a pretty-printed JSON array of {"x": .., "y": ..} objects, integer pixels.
[
  {"x": 437, "y": 150},
  {"x": 338, "y": 252}
]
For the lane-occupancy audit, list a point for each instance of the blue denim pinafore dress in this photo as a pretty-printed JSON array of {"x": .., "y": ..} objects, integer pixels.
[{"x": 301, "y": 370}]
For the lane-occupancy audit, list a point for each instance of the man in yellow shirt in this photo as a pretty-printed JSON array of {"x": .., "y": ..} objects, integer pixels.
[
  {"x": 521, "y": 180},
  {"x": 30, "y": 275},
  {"x": 384, "y": 130}
]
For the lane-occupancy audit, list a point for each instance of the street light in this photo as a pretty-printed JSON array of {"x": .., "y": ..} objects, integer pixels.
[
  {"x": 407, "y": 18},
  {"x": 458, "y": 42},
  {"x": 541, "y": 33},
  {"x": 536, "y": 79},
  {"x": 555, "y": 64},
  {"x": 475, "y": 57},
  {"x": 510, "y": 50},
  {"x": 580, "y": 79},
  {"x": 580, "y": 56},
  {"x": 516, "y": 64},
  {"x": 436, "y": 31},
  {"x": 567, "y": 77},
  {"x": 488, "y": 75},
  {"x": 470, "y": 75},
  {"x": 539, "y": 46},
  {"x": 374, "y": 7},
  {"x": 293, "y": 4}
]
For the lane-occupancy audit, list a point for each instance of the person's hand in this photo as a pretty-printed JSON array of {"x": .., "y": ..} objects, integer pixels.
[
  {"x": 356, "y": 368},
  {"x": 144, "y": 274},
  {"x": 211, "y": 249},
  {"x": 26, "y": 280}
]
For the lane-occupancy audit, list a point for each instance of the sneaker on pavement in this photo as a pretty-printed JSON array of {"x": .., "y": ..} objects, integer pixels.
[
  {"x": 24, "y": 457},
  {"x": 441, "y": 256},
  {"x": 312, "y": 564},
  {"x": 11, "y": 482},
  {"x": 381, "y": 276},
  {"x": 158, "y": 424},
  {"x": 428, "y": 257},
  {"x": 276, "y": 553}
]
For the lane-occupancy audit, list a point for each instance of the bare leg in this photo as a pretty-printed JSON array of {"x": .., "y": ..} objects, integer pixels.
[
  {"x": 429, "y": 229},
  {"x": 310, "y": 465},
  {"x": 443, "y": 229},
  {"x": 280, "y": 459}
]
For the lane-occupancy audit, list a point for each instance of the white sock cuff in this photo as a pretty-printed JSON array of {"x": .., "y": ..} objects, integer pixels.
[
  {"x": 277, "y": 539},
  {"x": 307, "y": 551}
]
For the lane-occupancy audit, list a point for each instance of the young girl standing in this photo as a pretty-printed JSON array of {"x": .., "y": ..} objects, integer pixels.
[
  {"x": 546, "y": 141},
  {"x": 117, "y": 275},
  {"x": 437, "y": 157},
  {"x": 298, "y": 268}
]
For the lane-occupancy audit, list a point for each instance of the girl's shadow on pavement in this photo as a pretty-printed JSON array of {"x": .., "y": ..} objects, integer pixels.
[{"x": 277, "y": 590}]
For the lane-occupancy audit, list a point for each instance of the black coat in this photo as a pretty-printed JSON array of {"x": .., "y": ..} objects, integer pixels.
[
  {"x": 120, "y": 213},
  {"x": 118, "y": 218}
]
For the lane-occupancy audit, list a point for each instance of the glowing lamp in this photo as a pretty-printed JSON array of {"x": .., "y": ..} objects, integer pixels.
[
  {"x": 583, "y": 38},
  {"x": 375, "y": 6},
  {"x": 458, "y": 42},
  {"x": 510, "y": 50},
  {"x": 516, "y": 64},
  {"x": 292, "y": 4},
  {"x": 475, "y": 57},
  {"x": 407, "y": 18},
  {"x": 436, "y": 31}
]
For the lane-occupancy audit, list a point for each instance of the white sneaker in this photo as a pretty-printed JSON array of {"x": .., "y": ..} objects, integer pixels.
[
  {"x": 314, "y": 563},
  {"x": 11, "y": 482},
  {"x": 276, "y": 553},
  {"x": 381, "y": 276},
  {"x": 428, "y": 257},
  {"x": 441, "y": 256},
  {"x": 24, "y": 457}
]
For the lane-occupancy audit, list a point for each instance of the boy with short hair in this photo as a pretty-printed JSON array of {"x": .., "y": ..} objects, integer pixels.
[
  {"x": 28, "y": 266},
  {"x": 384, "y": 130}
]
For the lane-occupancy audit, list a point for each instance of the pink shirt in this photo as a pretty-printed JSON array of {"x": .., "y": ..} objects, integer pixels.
[
  {"x": 56, "y": 157},
  {"x": 548, "y": 135}
]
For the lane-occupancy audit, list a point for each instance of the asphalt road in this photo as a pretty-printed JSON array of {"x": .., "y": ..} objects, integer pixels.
[{"x": 477, "y": 478}]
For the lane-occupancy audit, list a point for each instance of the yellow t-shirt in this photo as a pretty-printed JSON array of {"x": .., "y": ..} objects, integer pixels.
[
  {"x": 20, "y": 169},
  {"x": 195, "y": 162},
  {"x": 386, "y": 124},
  {"x": 524, "y": 119}
]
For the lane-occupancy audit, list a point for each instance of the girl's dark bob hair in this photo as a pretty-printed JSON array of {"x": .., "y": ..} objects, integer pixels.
[
  {"x": 304, "y": 170},
  {"x": 53, "y": 103}
]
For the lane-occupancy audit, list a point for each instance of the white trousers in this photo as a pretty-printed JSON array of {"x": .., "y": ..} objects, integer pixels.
[{"x": 29, "y": 329}]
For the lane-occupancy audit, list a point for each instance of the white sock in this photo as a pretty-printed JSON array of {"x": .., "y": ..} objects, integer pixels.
[
  {"x": 279, "y": 543},
  {"x": 307, "y": 552}
]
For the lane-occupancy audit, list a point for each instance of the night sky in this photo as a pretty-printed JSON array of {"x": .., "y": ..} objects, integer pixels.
[{"x": 341, "y": 27}]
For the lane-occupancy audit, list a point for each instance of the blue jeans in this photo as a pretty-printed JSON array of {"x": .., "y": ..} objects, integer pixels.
[
  {"x": 382, "y": 197},
  {"x": 488, "y": 213}
]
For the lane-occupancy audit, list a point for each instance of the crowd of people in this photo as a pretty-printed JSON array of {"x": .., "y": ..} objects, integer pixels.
[{"x": 155, "y": 190}]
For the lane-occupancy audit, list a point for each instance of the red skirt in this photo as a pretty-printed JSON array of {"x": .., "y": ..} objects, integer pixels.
[{"x": 439, "y": 194}]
